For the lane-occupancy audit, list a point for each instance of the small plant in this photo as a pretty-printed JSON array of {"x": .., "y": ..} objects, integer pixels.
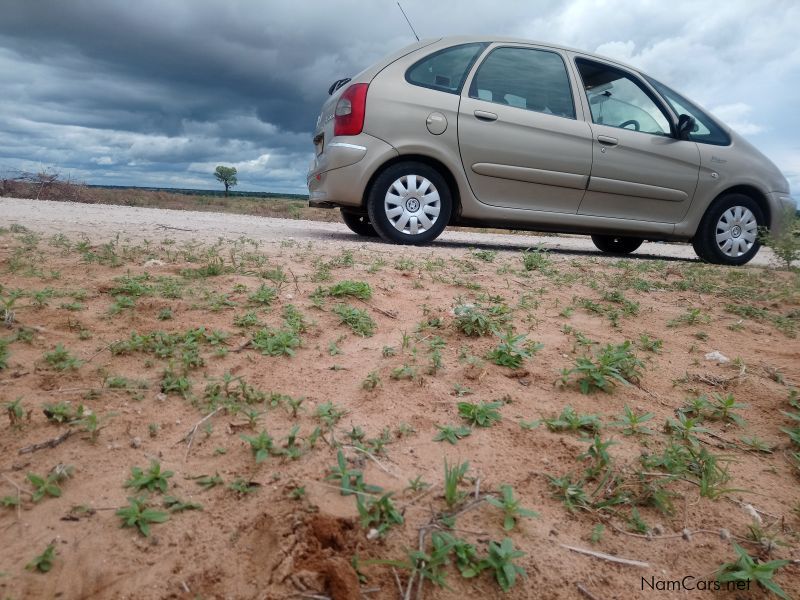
[
  {"x": 263, "y": 296},
  {"x": 786, "y": 242},
  {"x": 417, "y": 484},
  {"x": 261, "y": 445},
  {"x": 209, "y": 481},
  {"x": 154, "y": 479},
  {"x": 165, "y": 314},
  {"x": 631, "y": 423},
  {"x": 510, "y": 507},
  {"x": 356, "y": 289},
  {"x": 358, "y": 320},
  {"x": 329, "y": 413},
  {"x": 453, "y": 476},
  {"x": 15, "y": 412},
  {"x": 351, "y": 481},
  {"x": 44, "y": 562},
  {"x": 474, "y": 320},
  {"x": 746, "y": 568},
  {"x": 138, "y": 514},
  {"x": 649, "y": 344},
  {"x": 275, "y": 342},
  {"x": 61, "y": 360},
  {"x": 570, "y": 493},
  {"x": 451, "y": 433},
  {"x": 484, "y": 414},
  {"x": 611, "y": 365},
  {"x": 371, "y": 381},
  {"x": 757, "y": 445},
  {"x": 692, "y": 316},
  {"x": 512, "y": 350},
  {"x": 598, "y": 454},
  {"x": 175, "y": 504},
  {"x": 242, "y": 486},
  {"x": 686, "y": 428},
  {"x": 570, "y": 420},
  {"x": 536, "y": 259},
  {"x": 4, "y": 353},
  {"x": 379, "y": 513},
  {"x": 44, "y": 486},
  {"x": 722, "y": 409},
  {"x": 501, "y": 562},
  {"x": 597, "y": 533}
]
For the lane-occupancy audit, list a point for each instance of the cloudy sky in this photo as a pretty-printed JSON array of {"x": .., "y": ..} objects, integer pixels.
[{"x": 158, "y": 92}]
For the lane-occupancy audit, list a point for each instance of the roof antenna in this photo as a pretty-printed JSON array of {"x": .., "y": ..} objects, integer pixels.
[{"x": 407, "y": 21}]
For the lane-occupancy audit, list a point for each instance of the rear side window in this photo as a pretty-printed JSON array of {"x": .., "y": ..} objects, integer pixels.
[
  {"x": 527, "y": 78},
  {"x": 446, "y": 69}
]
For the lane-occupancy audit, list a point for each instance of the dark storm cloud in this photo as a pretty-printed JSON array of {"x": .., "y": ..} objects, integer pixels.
[{"x": 157, "y": 92}]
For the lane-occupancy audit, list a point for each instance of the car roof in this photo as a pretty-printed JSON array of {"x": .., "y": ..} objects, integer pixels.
[{"x": 466, "y": 39}]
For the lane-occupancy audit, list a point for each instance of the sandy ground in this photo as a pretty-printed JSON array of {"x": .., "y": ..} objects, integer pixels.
[
  {"x": 73, "y": 218},
  {"x": 128, "y": 309}
]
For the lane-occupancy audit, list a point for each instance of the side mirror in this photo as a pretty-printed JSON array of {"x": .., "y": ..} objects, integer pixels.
[{"x": 686, "y": 125}]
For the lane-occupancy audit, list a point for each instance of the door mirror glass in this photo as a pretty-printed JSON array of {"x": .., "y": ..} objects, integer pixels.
[{"x": 686, "y": 126}]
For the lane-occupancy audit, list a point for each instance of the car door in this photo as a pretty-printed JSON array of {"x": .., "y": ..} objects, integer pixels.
[
  {"x": 521, "y": 144},
  {"x": 640, "y": 170}
]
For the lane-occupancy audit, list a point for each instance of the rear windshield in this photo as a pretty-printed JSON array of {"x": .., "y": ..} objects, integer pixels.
[
  {"x": 446, "y": 69},
  {"x": 705, "y": 131}
]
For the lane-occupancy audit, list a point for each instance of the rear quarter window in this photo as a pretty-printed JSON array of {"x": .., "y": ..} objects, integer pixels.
[{"x": 446, "y": 69}]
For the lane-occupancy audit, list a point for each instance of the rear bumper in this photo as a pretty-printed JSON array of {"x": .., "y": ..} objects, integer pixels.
[{"x": 339, "y": 176}]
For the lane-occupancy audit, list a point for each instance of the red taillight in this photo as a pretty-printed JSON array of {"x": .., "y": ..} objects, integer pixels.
[{"x": 350, "y": 110}]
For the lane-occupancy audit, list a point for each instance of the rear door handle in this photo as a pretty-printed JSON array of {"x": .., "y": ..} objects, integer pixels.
[
  {"x": 607, "y": 140},
  {"x": 485, "y": 115}
]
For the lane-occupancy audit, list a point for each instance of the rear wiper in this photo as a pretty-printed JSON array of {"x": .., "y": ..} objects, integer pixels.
[{"x": 337, "y": 84}]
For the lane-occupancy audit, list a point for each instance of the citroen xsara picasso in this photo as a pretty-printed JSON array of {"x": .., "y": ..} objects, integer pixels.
[{"x": 516, "y": 134}]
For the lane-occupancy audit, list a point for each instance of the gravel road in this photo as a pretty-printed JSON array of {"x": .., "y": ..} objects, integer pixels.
[{"x": 102, "y": 222}]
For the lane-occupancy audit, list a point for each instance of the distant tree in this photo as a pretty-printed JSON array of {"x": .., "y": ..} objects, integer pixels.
[{"x": 226, "y": 176}]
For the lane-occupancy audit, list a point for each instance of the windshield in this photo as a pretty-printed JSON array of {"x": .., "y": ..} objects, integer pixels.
[{"x": 705, "y": 131}]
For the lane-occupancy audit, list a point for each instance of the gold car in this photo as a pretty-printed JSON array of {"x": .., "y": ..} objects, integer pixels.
[{"x": 516, "y": 134}]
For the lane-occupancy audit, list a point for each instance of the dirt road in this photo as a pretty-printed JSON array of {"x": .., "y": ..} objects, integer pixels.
[{"x": 100, "y": 221}]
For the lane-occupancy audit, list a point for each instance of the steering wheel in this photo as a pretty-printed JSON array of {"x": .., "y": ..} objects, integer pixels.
[{"x": 633, "y": 122}]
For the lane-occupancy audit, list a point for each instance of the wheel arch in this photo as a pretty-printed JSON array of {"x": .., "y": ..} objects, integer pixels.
[
  {"x": 440, "y": 167},
  {"x": 751, "y": 192}
]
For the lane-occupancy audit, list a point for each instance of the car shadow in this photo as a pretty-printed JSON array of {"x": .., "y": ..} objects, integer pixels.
[{"x": 511, "y": 247}]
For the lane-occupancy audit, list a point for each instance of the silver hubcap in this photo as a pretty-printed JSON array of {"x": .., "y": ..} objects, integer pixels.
[
  {"x": 737, "y": 230},
  {"x": 412, "y": 204}
]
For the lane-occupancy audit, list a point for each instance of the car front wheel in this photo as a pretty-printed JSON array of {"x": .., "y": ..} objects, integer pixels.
[
  {"x": 409, "y": 203},
  {"x": 728, "y": 232},
  {"x": 616, "y": 244}
]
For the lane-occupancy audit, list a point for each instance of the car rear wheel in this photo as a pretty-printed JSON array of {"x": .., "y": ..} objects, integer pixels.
[
  {"x": 728, "y": 232},
  {"x": 358, "y": 223},
  {"x": 409, "y": 203},
  {"x": 616, "y": 244}
]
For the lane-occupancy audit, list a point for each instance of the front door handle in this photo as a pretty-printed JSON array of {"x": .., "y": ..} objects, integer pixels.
[
  {"x": 607, "y": 140},
  {"x": 485, "y": 115}
]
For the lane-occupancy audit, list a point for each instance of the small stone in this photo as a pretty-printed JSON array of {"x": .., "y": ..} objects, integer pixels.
[
  {"x": 687, "y": 534},
  {"x": 718, "y": 357},
  {"x": 658, "y": 529},
  {"x": 136, "y": 442},
  {"x": 724, "y": 534},
  {"x": 373, "y": 534},
  {"x": 154, "y": 262},
  {"x": 161, "y": 397}
]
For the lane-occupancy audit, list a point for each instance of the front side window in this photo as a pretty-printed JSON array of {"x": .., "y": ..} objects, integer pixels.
[
  {"x": 617, "y": 100},
  {"x": 526, "y": 78},
  {"x": 705, "y": 131},
  {"x": 446, "y": 69}
]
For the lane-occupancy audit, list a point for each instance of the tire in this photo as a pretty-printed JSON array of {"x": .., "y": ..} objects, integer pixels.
[
  {"x": 616, "y": 244},
  {"x": 409, "y": 203},
  {"x": 728, "y": 231},
  {"x": 358, "y": 223}
]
